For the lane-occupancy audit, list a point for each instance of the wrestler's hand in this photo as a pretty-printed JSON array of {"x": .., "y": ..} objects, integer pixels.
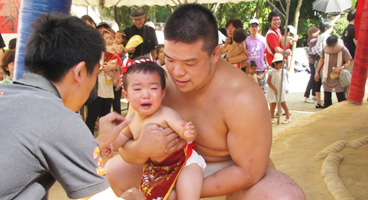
[
  {"x": 158, "y": 141},
  {"x": 189, "y": 131},
  {"x": 110, "y": 127},
  {"x": 133, "y": 194}
]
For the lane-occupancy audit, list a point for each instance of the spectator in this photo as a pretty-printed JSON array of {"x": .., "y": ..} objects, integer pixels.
[
  {"x": 311, "y": 86},
  {"x": 237, "y": 48},
  {"x": 107, "y": 75},
  {"x": 335, "y": 57},
  {"x": 350, "y": 43},
  {"x": 274, "y": 82},
  {"x": 273, "y": 37},
  {"x": 231, "y": 26},
  {"x": 2, "y": 45},
  {"x": 349, "y": 34},
  {"x": 256, "y": 46},
  {"x": 325, "y": 28},
  {"x": 7, "y": 65},
  {"x": 160, "y": 54},
  {"x": 148, "y": 48},
  {"x": 252, "y": 72}
]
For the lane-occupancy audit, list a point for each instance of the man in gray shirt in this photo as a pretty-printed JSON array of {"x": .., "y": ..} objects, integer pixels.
[{"x": 43, "y": 139}]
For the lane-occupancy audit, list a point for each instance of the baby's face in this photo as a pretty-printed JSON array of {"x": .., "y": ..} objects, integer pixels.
[
  {"x": 109, "y": 38},
  {"x": 253, "y": 69},
  {"x": 119, "y": 39},
  {"x": 145, "y": 92}
]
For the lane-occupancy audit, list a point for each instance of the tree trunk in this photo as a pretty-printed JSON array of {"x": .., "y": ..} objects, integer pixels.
[
  {"x": 296, "y": 22},
  {"x": 259, "y": 13}
]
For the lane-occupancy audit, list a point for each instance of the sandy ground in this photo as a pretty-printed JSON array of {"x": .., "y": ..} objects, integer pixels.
[
  {"x": 294, "y": 150},
  {"x": 296, "y": 144}
]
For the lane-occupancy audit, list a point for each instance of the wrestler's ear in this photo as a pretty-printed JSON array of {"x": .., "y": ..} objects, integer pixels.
[
  {"x": 125, "y": 94},
  {"x": 216, "y": 53}
]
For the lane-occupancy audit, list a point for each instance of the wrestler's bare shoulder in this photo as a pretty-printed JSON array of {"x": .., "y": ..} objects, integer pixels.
[{"x": 233, "y": 83}]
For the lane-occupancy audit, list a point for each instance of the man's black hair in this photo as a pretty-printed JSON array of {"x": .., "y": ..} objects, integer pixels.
[
  {"x": 324, "y": 25},
  {"x": 237, "y": 23},
  {"x": 273, "y": 14},
  {"x": 190, "y": 23},
  {"x": 252, "y": 63},
  {"x": 58, "y": 43},
  {"x": 351, "y": 15},
  {"x": 145, "y": 67}
]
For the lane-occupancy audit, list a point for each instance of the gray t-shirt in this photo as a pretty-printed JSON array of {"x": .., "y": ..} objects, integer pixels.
[{"x": 42, "y": 141}]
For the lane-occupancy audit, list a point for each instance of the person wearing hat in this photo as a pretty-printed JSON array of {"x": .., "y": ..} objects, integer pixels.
[
  {"x": 146, "y": 49},
  {"x": 256, "y": 46},
  {"x": 335, "y": 58},
  {"x": 274, "y": 84}
]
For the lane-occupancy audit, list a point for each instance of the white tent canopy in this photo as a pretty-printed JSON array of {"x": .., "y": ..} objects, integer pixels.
[{"x": 109, "y": 3}]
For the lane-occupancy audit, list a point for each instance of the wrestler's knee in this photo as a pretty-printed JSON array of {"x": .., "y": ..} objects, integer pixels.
[
  {"x": 121, "y": 175},
  {"x": 274, "y": 185},
  {"x": 283, "y": 187}
]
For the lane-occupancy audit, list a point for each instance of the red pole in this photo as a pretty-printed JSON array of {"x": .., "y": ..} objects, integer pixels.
[{"x": 359, "y": 73}]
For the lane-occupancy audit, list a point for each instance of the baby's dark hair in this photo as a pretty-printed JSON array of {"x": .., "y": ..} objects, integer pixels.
[
  {"x": 252, "y": 63},
  {"x": 282, "y": 30},
  {"x": 239, "y": 35},
  {"x": 145, "y": 67}
]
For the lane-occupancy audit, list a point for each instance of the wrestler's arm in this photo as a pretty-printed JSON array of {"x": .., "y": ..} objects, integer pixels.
[
  {"x": 185, "y": 130},
  {"x": 249, "y": 142}
]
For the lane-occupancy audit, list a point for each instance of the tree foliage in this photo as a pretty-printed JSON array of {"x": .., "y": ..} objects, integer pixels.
[{"x": 243, "y": 11}]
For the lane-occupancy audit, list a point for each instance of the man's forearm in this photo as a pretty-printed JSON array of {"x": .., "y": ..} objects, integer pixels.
[{"x": 227, "y": 181}]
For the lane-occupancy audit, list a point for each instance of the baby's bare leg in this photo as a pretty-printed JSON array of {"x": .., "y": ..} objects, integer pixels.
[{"x": 189, "y": 183}]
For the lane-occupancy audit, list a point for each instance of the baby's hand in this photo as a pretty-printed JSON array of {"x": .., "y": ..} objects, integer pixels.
[
  {"x": 108, "y": 151},
  {"x": 189, "y": 131}
]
